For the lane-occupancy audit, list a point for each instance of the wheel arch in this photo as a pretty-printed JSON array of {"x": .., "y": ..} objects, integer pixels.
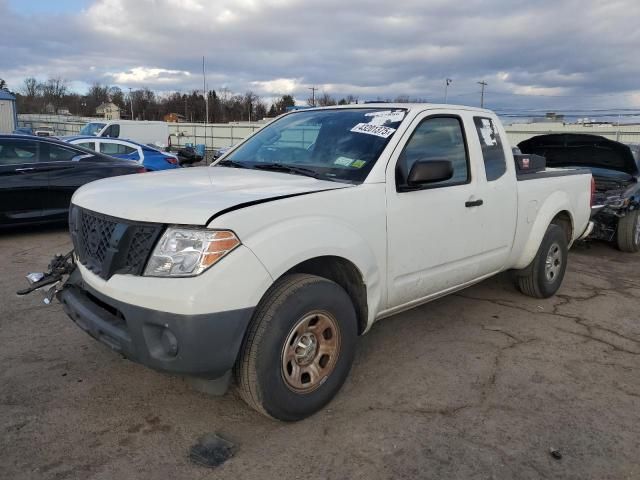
[
  {"x": 346, "y": 274},
  {"x": 556, "y": 210},
  {"x": 564, "y": 219}
]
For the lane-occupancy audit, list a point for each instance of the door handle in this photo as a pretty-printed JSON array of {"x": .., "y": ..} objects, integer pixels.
[
  {"x": 473, "y": 203},
  {"x": 25, "y": 169}
]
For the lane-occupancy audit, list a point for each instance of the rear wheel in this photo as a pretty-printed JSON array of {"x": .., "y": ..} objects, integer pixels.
[
  {"x": 299, "y": 348},
  {"x": 628, "y": 236},
  {"x": 544, "y": 275}
]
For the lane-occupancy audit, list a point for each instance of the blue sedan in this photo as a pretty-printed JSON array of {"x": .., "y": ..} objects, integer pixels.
[{"x": 149, "y": 157}]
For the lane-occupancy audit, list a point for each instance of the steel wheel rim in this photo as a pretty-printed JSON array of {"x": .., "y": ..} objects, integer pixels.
[
  {"x": 553, "y": 263},
  {"x": 310, "y": 352}
]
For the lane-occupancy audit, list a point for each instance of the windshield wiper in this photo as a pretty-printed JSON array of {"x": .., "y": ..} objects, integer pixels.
[
  {"x": 232, "y": 163},
  {"x": 281, "y": 167}
]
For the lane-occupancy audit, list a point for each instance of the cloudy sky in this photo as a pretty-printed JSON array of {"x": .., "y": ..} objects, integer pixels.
[{"x": 534, "y": 54}]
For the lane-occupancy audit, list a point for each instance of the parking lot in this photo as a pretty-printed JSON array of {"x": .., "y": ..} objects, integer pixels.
[{"x": 481, "y": 384}]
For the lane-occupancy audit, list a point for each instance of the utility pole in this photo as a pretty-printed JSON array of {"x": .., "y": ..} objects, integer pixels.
[
  {"x": 313, "y": 96},
  {"x": 206, "y": 107},
  {"x": 447, "y": 82},
  {"x": 131, "y": 100},
  {"x": 483, "y": 84}
]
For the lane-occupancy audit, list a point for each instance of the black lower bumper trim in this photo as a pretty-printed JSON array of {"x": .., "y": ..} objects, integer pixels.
[{"x": 204, "y": 345}]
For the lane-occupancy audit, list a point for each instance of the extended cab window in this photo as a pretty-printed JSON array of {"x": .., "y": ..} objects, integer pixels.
[
  {"x": 436, "y": 138},
  {"x": 15, "y": 152},
  {"x": 495, "y": 164}
]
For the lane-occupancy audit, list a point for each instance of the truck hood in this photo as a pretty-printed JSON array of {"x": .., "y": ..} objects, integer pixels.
[
  {"x": 191, "y": 196},
  {"x": 570, "y": 149}
]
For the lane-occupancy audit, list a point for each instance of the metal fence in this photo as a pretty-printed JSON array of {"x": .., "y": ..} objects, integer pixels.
[
  {"x": 61, "y": 124},
  {"x": 213, "y": 135},
  {"x": 219, "y": 135}
]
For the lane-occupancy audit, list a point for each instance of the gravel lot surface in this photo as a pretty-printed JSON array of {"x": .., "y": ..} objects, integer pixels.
[{"x": 481, "y": 384}]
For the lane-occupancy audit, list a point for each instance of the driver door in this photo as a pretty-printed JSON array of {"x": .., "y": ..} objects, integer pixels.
[{"x": 433, "y": 243}]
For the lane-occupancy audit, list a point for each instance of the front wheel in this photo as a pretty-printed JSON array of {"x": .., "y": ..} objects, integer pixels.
[
  {"x": 628, "y": 236},
  {"x": 544, "y": 275},
  {"x": 299, "y": 348}
]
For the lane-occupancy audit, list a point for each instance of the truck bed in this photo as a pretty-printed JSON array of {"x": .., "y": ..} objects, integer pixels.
[{"x": 551, "y": 173}]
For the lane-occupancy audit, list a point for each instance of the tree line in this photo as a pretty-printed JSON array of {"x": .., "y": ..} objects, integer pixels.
[{"x": 54, "y": 96}]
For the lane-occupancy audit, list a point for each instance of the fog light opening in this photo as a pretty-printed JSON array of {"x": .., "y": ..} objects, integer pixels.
[{"x": 169, "y": 343}]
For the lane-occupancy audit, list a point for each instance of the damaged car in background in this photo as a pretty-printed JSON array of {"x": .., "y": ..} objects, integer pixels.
[{"x": 616, "y": 170}]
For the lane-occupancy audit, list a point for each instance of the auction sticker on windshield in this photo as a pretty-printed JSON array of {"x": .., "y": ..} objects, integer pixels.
[
  {"x": 377, "y": 130},
  {"x": 380, "y": 118}
]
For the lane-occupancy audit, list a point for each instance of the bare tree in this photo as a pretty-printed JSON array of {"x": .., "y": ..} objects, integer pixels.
[
  {"x": 351, "y": 99},
  {"x": 97, "y": 95},
  {"x": 30, "y": 89},
  {"x": 325, "y": 100},
  {"x": 117, "y": 97},
  {"x": 53, "y": 91}
]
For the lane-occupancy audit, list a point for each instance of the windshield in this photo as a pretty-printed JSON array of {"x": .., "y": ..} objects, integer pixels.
[
  {"x": 339, "y": 144},
  {"x": 92, "y": 128}
]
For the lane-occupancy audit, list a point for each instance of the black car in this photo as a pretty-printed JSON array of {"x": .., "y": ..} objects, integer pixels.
[
  {"x": 616, "y": 171},
  {"x": 38, "y": 176}
]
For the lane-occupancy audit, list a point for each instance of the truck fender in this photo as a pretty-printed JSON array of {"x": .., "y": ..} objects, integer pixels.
[
  {"x": 316, "y": 236},
  {"x": 554, "y": 204}
]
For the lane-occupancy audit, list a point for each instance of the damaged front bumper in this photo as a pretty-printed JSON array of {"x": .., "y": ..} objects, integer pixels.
[
  {"x": 203, "y": 345},
  {"x": 606, "y": 213},
  {"x": 59, "y": 268}
]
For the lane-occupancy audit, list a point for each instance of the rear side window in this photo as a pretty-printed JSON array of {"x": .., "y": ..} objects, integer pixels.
[
  {"x": 495, "y": 163},
  {"x": 436, "y": 138},
  {"x": 15, "y": 152},
  {"x": 89, "y": 145},
  {"x": 61, "y": 154},
  {"x": 115, "y": 149}
]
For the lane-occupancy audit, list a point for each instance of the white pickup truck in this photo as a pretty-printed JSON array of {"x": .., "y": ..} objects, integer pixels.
[{"x": 271, "y": 263}]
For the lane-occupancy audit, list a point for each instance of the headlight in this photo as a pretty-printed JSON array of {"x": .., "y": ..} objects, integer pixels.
[{"x": 185, "y": 252}]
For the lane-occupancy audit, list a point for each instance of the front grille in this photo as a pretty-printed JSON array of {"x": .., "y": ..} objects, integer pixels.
[
  {"x": 108, "y": 245},
  {"x": 140, "y": 247},
  {"x": 95, "y": 235}
]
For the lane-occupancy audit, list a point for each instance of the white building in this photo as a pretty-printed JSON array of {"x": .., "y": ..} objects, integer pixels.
[
  {"x": 110, "y": 111},
  {"x": 8, "y": 114}
]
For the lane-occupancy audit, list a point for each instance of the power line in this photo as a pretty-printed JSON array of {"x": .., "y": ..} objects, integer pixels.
[{"x": 595, "y": 95}]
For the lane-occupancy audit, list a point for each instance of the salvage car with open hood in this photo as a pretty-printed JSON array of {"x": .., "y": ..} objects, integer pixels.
[{"x": 616, "y": 171}]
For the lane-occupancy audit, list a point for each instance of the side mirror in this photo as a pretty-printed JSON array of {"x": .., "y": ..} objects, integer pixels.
[{"x": 429, "y": 171}]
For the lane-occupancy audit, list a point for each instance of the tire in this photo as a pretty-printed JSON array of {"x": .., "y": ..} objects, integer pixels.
[
  {"x": 542, "y": 280},
  {"x": 628, "y": 235},
  {"x": 282, "y": 371}
]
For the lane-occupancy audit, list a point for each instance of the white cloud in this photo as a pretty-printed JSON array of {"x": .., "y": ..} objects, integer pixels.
[
  {"x": 144, "y": 75},
  {"x": 278, "y": 86},
  {"x": 370, "y": 48}
]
